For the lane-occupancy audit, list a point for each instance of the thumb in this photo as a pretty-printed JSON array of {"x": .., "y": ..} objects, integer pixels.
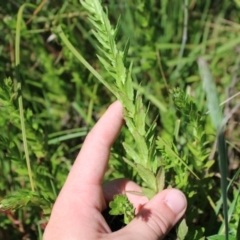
[{"x": 158, "y": 216}]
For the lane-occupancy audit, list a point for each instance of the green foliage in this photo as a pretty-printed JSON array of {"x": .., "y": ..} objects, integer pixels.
[
  {"x": 182, "y": 230},
  {"x": 23, "y": 198},
  {"x": 121, "y": 206},
  {"x": 155, "y": 43}
]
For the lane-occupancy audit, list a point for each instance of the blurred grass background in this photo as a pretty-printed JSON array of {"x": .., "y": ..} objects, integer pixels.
[{"x": 62, "y": 100}]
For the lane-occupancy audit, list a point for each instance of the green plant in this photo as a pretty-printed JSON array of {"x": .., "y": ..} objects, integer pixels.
[
  {"x": 121, "y": 206},
  {"x": 61, "y": 100},
  {"x": 144, "y": 157}
]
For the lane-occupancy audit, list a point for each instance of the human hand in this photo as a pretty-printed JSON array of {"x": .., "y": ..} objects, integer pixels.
[{"x": 76, "y": 214}]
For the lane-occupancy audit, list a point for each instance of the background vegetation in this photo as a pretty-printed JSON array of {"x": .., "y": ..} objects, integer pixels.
[{"x": 62, "y": 101}]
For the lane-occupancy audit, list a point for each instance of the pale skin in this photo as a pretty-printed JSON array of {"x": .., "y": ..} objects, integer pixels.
[{"x": 76, "y": 214}]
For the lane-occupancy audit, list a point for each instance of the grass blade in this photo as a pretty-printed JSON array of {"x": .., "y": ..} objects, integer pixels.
[
  {"x": 82, "y": 60},
  {"x": 219, "y": 204},
  {"x": 211, "y": 93},
  {"x": 231, "y": 210},
  {"x": 18, "y": 88},
  {"x": 217, "y": 119}
]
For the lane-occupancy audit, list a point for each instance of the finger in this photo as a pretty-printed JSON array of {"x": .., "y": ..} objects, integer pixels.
[
  {"x": 158, "y": 216},
  {"x": 125, "y": 186},
  {"x": 90, "y": 165}
]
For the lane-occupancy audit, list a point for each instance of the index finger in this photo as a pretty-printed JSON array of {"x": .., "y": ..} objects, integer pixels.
[{"x": 91, "y": 162}]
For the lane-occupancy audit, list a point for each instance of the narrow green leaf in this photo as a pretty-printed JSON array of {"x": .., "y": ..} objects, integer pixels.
[
  {"x": 118, "y": 25},
  {"x": 209, "y": 164},
  {"x": 109, "y": 57},
  {"x": 129, "y": 122},
  {"x": 151, "y": 131},
  {"x": 145, "y": 174},
  {"x": 104, "y": 62},
  {"x": 120, "y": 69},
  {"x": 138, "y": 102},
  {"x": 176, "y": 129},
  {"x": 125, "y": 51},
  {"x": 219, "y": 204},
  {"x": 231, "y": 210},
  {"x": 132, "y": 153},
  {"x": 128, "y": 86},
  {"x": 222, "y": 150},
  {"x": 108, "y": 32},
  {"x": 160, "y": 179},
  {"x": 102, "y": 41},
  {"x": 153, "y": 162},
  {"x": 182, "y": 229},
  {"x": 211, "y": 93},
  {"x": 140, "y": 115},
  {"x": 127, "y": 103},
  {"x": 142, "y": 147}
]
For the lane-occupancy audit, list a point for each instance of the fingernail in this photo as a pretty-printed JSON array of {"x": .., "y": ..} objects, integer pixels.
[{"x": 176, "y": 201}]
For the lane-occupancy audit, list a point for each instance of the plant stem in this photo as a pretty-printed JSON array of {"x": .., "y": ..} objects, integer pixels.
[{"x": 18, "y": 87}]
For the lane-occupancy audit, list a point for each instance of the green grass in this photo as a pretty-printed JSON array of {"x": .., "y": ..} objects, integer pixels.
[{"x": 51, "y": 100}]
